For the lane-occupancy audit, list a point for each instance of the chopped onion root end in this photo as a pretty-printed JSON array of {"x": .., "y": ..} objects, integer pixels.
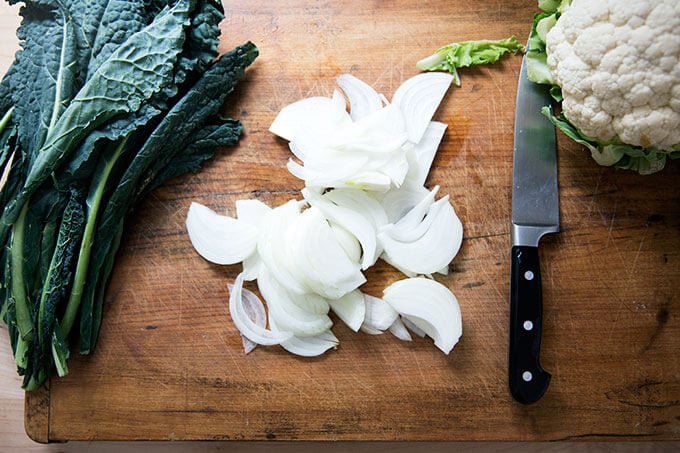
[{"x": 364, "y": 162}]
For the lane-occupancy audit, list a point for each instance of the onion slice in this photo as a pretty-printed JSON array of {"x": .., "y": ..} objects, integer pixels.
[
  {"x": 427, "y": 247},
  {"x": 246, "y": 326},
  {"x": 430, "y": 306},
  {"x": 217, "y": 238},
  {"x": 418, "y": 98},
  {"x": 423, "y": 153},
  {"x": 363, "y": 99},
  {"x": 357, "y": 213},
  {"x": 399, "y": 330},
  {"x": 350, "y": 308},
  {"x": 379, "y": 315},
  {"x": 309, "y": 346},
  {"x": 255, "y": 310},
  {"x": 316, "y": 117},
  {"x": 319, "y": 259},
  {"x": 288, "y": 315},
  {"x": 273, "y": 245}
]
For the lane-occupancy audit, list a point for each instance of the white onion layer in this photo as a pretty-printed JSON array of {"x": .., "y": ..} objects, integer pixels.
[
  {"x": 419, "y": 97},
  {"x": 363, "y": 99},
  {"x": 430, "y": 306},
  {"x": 217, "y": 238},
  {"x": 246, "y": 326}
]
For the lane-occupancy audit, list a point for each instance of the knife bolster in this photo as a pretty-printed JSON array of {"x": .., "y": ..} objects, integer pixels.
[{"x": 530, "y": 235}]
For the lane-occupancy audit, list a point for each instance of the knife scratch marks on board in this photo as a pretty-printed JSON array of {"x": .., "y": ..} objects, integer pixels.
[
  {"x": 633, "y": 264},
  {"x": 236, "y": 361}
]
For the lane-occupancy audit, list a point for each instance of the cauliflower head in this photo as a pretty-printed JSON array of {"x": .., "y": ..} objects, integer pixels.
[
  {"x": 618, "y": 64},
  {"x": 615, "y": 67}
]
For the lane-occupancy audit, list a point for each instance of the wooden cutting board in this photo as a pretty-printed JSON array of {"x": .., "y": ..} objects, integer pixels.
[{"x": 169, "y": 363}]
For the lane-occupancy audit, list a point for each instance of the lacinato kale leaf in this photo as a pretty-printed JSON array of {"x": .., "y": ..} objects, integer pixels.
[
  {"x": 105, "y": 101},
  {"x": 168, "y": 147},
  {"x": 136, "y": 70}
]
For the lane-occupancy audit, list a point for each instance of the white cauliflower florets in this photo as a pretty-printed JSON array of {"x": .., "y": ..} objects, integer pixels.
[{"x": 618, "y": 64}]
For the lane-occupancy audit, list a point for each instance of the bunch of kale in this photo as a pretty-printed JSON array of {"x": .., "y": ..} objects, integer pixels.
[{"x": 105, "y": 101}]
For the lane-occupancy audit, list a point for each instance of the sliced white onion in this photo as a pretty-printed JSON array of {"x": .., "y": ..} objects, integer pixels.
[
  {"x": 431, "y": 306},
  {"x": 427, "y": 248},
  {"x": 368, "y": 153},
  {"x": 245, "y": 325},
  {"x": 357, "y": 213},
  {"x": 418, "y": 98},
  {"x": 410, "y": 325},
  {"x": 286, "y": 313},
  {"x": 364, "y": 173},
  {"x": 251, "y": 211},
  {"x": 316, "y": 117},
  {"x": 255, "y": 310},
  {"x": 350, "y": 308},
  {"x": 379, "y": 315},
  {"x": 380, "y": 132},
  {"x": 319, "y": 259},
  {"x": 421, "y": 155},
  {"x": 217, "y": 238},
  {"x": 309, "y": 346},
  {"x": 273, "y": 245},
  {"x": 415, "y": 215},
  {"x": 398, "y": 202},
  {"x": 347, "y": 241},
  {"x": 363, "y": 99},
  {"x": 333, "y": 168},
  {"x": 359, "y": 201},
  {"x": 251, "y": 267},
  {"x": 399, "y": 330}
]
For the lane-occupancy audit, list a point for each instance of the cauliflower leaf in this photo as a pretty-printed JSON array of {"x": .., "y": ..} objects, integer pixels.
[{"x": 468, "y": 53}]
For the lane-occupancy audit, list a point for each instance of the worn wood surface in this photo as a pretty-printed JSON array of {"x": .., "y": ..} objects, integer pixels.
[{"x": 169, "y": 363}]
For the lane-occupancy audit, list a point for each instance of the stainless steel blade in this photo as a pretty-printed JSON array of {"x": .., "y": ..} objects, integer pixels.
[{"x": 535, "y": 201}]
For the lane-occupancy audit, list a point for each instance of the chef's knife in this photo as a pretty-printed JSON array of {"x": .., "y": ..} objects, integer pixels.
[{"x": 535, "y": 212}]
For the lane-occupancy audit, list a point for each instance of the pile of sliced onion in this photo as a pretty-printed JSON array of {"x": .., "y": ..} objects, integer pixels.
[{"x": 364, "y": 199}]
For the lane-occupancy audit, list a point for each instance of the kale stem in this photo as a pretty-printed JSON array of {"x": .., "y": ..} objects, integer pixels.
[
  {"x": 95, "y": 199},
  {"x": 21, "y": 352},
  {"x": 17, "y": 284},
  {"x": 5, "y": 119}
]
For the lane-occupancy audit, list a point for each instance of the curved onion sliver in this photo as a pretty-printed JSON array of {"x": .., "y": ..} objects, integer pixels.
[
  {"x": 246, "y": 326},
  {"x": 315, "y": 117},
  {"x": 379, "y": 315},
  {"x": 428, "y": 247},
  {"x": 286, "y": 313},
  {"x": 255, "y": 310},
  {"x": 399, "y": 330},
  {"x": 351, "y": 309},
  {"x": 360, "y": 224},
  {"x": 418, "y": 98},
  {"x": 309, "y": 346},
  {"x": 363, "y": 99},
  {"x": 430, "y": 306},
  {"x": 217, "y": 238},
  {"x": 319, "y": 258}
]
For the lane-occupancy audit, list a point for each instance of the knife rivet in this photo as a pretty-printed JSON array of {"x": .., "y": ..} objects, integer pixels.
[
  {"x": 528, "y": 325},
  {"x": 527, "y": 376},
  {"x": 528, "y": 275}
]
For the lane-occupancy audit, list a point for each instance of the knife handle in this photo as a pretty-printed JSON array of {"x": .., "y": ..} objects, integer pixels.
[{"x": 528, "y": 381}]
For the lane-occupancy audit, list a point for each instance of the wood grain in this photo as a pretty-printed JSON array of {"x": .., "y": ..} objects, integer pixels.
[{"x": 169, "y": 363}]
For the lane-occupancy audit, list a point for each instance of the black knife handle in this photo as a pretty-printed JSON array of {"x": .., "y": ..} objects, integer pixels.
[{"x": 528, "y": 381}]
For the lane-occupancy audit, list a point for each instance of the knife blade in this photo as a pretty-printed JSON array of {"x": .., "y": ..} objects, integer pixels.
[{"x": 535, "y": 212}]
